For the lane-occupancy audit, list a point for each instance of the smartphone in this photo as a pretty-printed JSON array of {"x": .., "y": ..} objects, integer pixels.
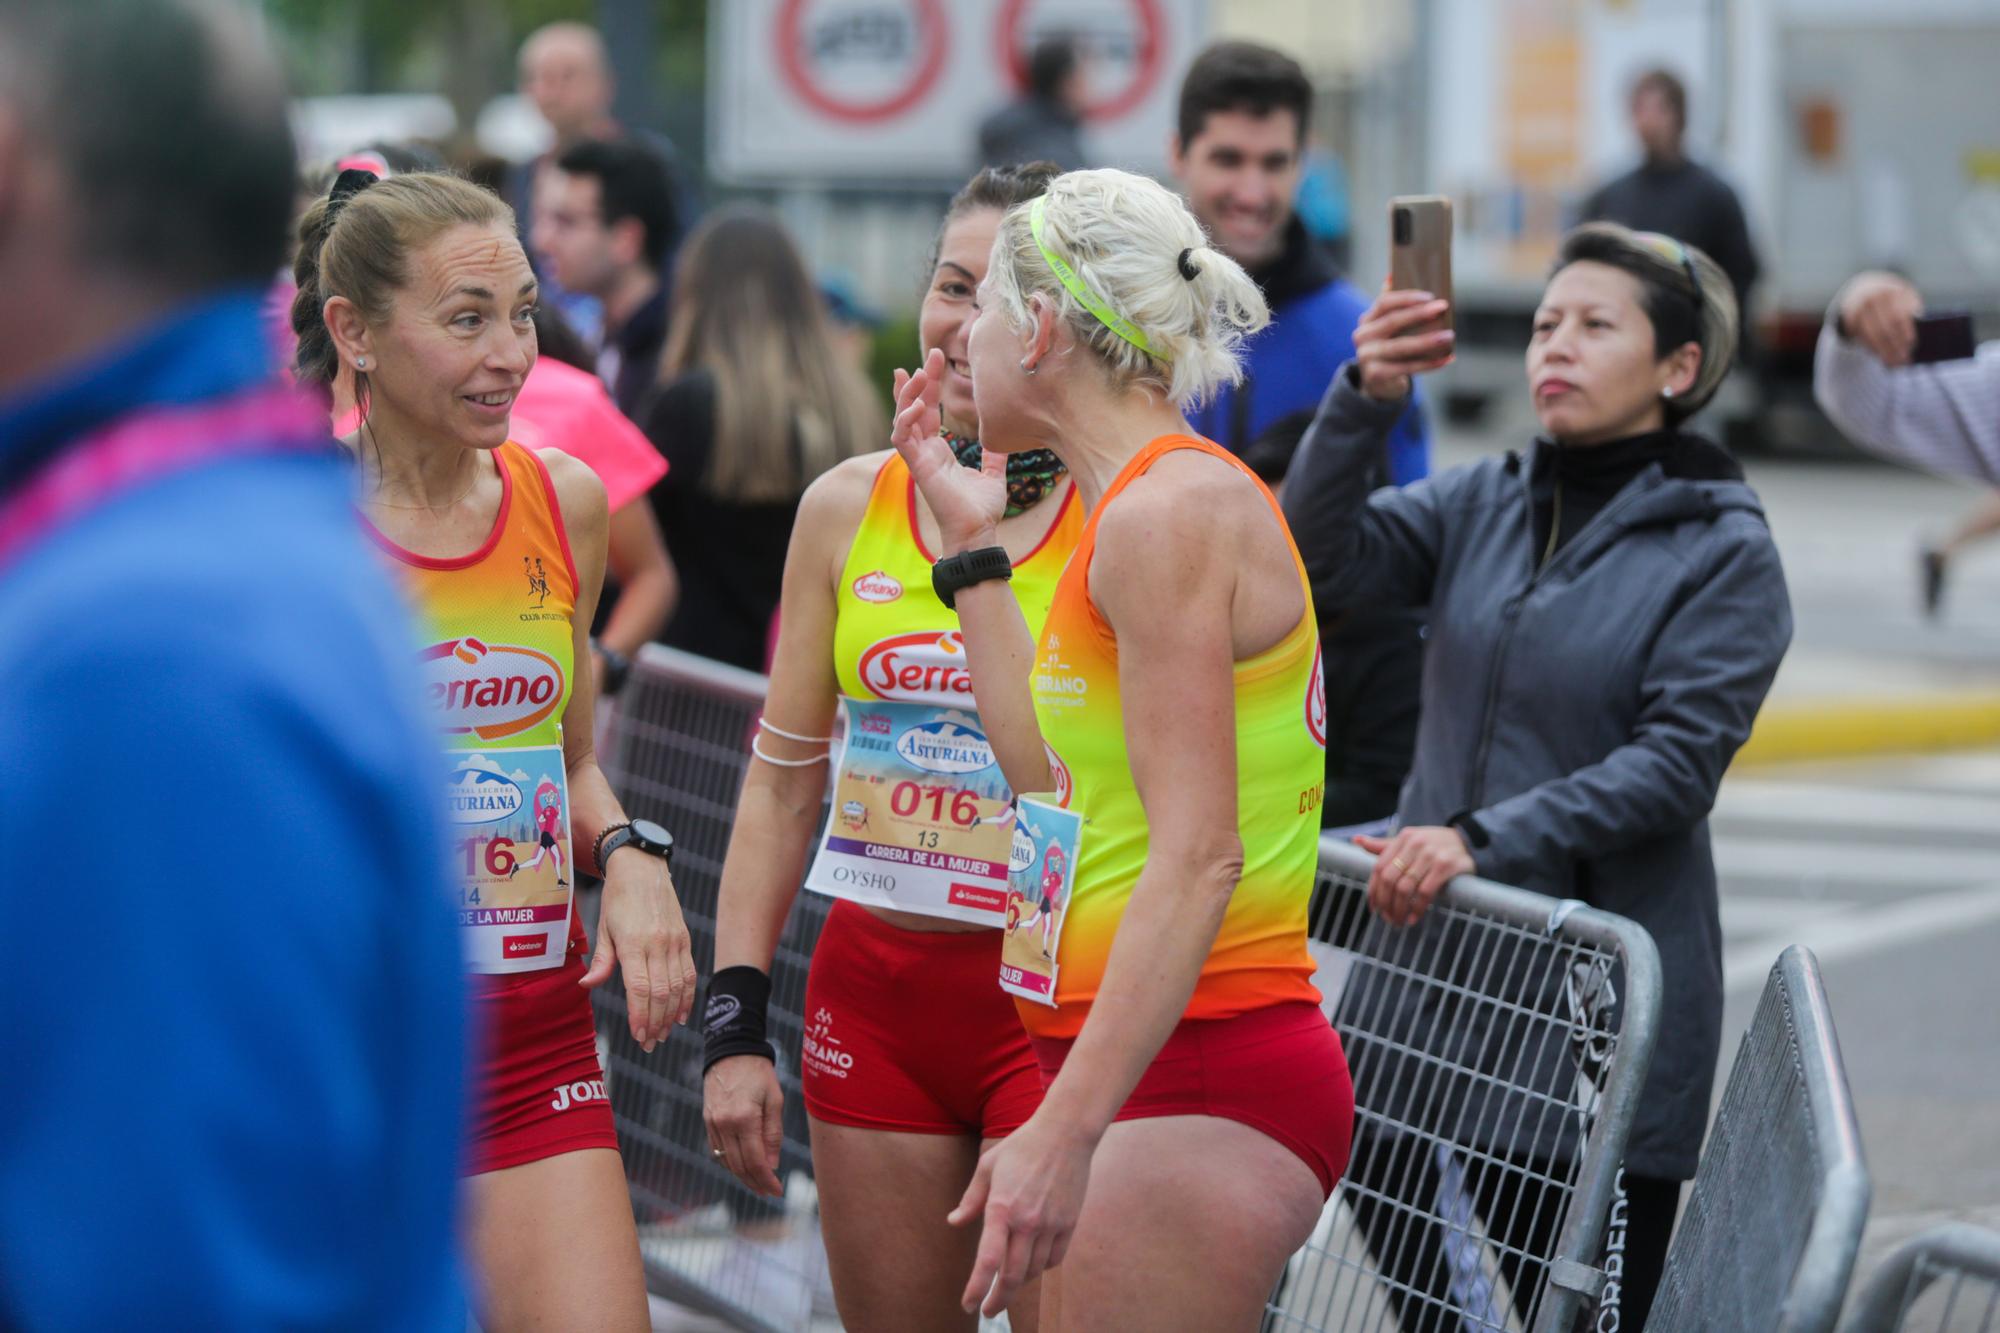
[
  {"x": 1420, "y": 249},
  {"x": 1943, "y": 337}
]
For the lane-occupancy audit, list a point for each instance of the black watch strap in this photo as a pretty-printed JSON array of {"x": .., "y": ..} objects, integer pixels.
[{"x": 955, "y": 573}]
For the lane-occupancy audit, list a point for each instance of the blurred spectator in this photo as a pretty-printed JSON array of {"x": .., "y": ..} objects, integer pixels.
[
  {"x": 854, "y": 323},
  {"x": 1046, "y": 124},
  {"x": 566, "y": 72},
  {"x": 1668, "y": 193},
  {"x": 235, "y": 1025},
  {"x": 1242, "y": 128},
  {"x": 1944, "y": 416},
  {"x": 756, "y": 403},
  {"x": 606, "y": 212},
  {"x": 1608, "y": 613},
  {"x": 562, "y": 405}
]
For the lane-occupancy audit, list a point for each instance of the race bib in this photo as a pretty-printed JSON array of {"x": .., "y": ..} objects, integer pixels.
[
  {"x": 509, "y": 811},
  {"x": 1042, "y": 868},
  {"x": 921, "y": 815}
]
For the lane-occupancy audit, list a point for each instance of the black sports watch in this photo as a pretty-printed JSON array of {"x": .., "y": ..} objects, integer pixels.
[
  {"x": 642, "y": 834},
  {"x": 955, "y": 573}
]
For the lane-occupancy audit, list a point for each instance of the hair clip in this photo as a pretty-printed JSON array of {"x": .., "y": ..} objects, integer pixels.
[{"x": 1189, "y": 270}]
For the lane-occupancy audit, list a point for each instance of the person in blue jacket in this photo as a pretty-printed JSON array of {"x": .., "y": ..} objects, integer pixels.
[
  {"x": 1238, "y": 154},
  {"x": 230, "y": 1083}
]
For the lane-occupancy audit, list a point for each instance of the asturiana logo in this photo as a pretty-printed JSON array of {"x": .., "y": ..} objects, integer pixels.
[
  {"x": 1021, "y": 855},
  {"x": 946, "y": 745},
  {"x": 482, "y": 792},
  {"x": 918, "y": 668},
  {"x": 490, "y": 690},
  {"x": 879, "y": 586}
]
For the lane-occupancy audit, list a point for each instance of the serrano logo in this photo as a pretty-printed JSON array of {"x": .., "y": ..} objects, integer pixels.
[
  {"x": 482, "y": 792},
  {"x": 918, "y": 668},
  {"x": 490, "y": 690},
  {"x": 1316, "y": 698},
  {"x": 878, "y": 587},
  {"x": 945, "y": 746}
]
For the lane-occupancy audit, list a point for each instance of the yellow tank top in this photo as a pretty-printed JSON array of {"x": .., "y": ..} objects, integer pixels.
[
  {"x": 1259, "y": 958},
  {"x": 893, "y": 639}
]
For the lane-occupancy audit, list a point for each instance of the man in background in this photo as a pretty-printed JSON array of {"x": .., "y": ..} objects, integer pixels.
[
  {"x": 566, "y": 72},
  {"x": 604, "y": 217},
  {"x": 234, "y": 1049},
  {"x": 1237, "y": 150},
  {"x": 1045, "y": 125},
  {"x": 1670, "y": 194}
]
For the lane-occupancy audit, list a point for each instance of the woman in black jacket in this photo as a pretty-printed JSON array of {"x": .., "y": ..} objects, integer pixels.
[{"x": 1607, "y": 614}]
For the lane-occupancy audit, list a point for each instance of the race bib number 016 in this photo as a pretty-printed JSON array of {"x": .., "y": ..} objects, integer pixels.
[
  {"x": 511, "y": 854},
  {"x": 921, "y": 815},
  {"x": 1042, "y": 866}
]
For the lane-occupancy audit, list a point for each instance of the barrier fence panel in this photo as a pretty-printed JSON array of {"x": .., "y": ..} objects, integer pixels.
[
  {"x": 1773, "y": 1223},
  {"x": 1497, "y": 1049},
  {"x": 1947, "y": 1279}
]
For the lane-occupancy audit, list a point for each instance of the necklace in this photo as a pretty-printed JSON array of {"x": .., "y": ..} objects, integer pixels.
[{"x": 1031, "y": 474}]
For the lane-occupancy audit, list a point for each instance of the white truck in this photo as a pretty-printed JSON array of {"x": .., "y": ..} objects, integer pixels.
[{"x": 1858, "y": 133}]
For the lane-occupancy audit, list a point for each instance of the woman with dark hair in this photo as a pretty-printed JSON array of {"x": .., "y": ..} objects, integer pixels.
[
  {"x": 415, "y": 291},
  {"x": 755, "y": 404},
  {"x": 1607, "y": 615},
  {"x": 940, "y": 1066}
]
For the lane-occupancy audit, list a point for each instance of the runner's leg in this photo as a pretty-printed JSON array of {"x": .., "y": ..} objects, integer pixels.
[
  {"x": 897, "y": 1264},
  {"x": 1186, "y": 1226},
  {"x": 555, "y": 1246}
]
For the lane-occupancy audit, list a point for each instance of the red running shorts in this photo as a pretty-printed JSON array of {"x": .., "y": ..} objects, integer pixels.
[
  {"x": 908, "y": 1031},
  {"x": 1278, "y": 1070},
  {"x": 538, "y": 1087}
]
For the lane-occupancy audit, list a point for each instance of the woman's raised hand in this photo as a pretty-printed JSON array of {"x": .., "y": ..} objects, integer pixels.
[
  {"x": 968, "y": 505},
  {"x": 1386, "y": 350}
]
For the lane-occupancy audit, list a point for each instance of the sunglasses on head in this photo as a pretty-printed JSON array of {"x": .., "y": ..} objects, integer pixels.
[{"x": 1669, "y": 248}]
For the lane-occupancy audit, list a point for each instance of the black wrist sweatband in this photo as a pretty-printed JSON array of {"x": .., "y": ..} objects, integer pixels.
[
  {"x": 1468, "y": 824},
  {"x": 732, "y": 1022}
]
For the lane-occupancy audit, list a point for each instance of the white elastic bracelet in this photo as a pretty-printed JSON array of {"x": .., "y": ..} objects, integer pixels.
[
  {"x": 758, "y": 750},
  {"x": 790, "y": 736}
]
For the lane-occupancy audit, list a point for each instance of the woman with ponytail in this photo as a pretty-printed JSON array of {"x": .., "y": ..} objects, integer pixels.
[
  {"x": 940, "y": 1067},
  {"x": 417, "y": 288},
  {"x": 1197, "y": 1106}
]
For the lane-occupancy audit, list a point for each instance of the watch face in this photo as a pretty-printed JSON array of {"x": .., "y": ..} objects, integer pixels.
[{"x": 648, "y": 834}]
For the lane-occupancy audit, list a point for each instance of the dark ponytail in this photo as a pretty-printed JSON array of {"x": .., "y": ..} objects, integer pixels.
[{"x": 317, "y": 360}]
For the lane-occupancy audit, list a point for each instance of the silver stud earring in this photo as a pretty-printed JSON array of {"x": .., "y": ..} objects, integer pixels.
[
  {"x": 361, "y": 363},
  {"x": 1667, "y": 392}
]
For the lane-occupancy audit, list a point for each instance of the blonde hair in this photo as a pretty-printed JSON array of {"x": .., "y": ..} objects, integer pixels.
[
  {"x": 1132, "y": 243},
  {"x": 361, "y": 250},
  {"x": 786, "y": 407}
]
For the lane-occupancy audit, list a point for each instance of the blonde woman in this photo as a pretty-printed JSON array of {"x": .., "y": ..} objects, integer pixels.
[
  {"x": 1198, "y": 1108},
  {"x": 755, "y": 404}
]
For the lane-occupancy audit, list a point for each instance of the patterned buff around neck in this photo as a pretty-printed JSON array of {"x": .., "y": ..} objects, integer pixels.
[{"x": 1031, "y": 474}]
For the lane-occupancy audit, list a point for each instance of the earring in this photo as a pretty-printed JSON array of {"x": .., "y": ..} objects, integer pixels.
[
  {"x": 1667, "y": 392},
  {"x": 1027, "y": 369},
  {"x": 361, "y": 363}
]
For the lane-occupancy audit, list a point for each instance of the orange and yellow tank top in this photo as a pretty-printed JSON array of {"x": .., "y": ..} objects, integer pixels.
[
  {"x": 893, "y": 639},
  {"x": 497, "y": 647},
  {"x": 1259, "y": 958}
]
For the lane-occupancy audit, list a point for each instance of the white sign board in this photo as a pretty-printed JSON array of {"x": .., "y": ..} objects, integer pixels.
[{"x": 894, "y": 90}]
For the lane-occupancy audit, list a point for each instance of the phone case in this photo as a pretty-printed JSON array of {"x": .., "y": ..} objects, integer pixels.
[
  {"x": 1420, "y": 248},
  {"x": 1946, "y": 336}
]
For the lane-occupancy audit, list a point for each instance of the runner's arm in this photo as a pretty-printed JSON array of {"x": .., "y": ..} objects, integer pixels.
[{"x": 639, "y": 924}]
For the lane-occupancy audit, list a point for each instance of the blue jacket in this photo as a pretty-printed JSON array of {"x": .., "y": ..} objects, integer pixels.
[
  {"x": 1580, "y": 716},
  {"x": 234, "y": 1043},
  {"x": 1288, "y": 365}
]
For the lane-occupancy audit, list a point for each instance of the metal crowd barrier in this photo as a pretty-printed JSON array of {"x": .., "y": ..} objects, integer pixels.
[
  {"x": 1770, "y": 1232},
  {"x": 1497, "y": 1048},
  {"x": 1947, "y": 1279}
]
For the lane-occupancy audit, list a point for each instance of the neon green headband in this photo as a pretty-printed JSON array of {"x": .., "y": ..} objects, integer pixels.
[{"x": 1090, "y": 300}]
